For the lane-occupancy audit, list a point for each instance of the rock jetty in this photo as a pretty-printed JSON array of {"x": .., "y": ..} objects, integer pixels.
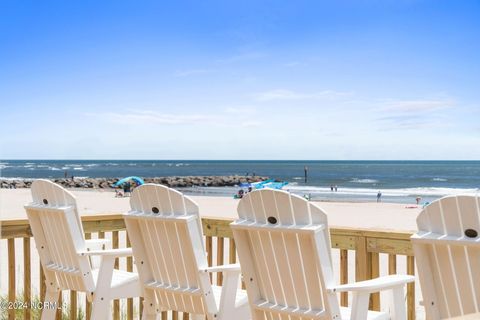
[{"x": 107, "y": 183}]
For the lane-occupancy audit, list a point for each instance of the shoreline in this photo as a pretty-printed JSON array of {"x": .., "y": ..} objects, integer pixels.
[
  {"x": 228, "y": 195},
  {"x": 218, "y": 186}
]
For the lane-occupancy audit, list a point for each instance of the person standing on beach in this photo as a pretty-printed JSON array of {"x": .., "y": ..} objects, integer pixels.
[
  {"x": 379, "y": 196},
  {"x": 126, "y": 189}
]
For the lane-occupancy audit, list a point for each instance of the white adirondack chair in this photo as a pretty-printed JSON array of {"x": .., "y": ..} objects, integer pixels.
[
  {"x": 65, "y": 254},
  {"x": 165, "y": 231},
  {"x": 447, "y": 251},
  {"x": 284, "y": 248}
]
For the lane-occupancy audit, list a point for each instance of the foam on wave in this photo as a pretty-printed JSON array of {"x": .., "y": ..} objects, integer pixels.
[
  {"x": 357, "y": 180},
  {"x": 401, "y": 192}
]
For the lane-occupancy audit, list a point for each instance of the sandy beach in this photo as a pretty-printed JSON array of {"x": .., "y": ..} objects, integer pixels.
[{"x": 388, "y": 216}]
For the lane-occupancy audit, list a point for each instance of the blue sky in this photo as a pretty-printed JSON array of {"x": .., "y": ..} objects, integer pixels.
[{"x": 240, "y": 80}]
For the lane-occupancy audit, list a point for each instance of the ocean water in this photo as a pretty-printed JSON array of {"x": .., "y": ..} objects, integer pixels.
[{"x": 399, "y": 181}]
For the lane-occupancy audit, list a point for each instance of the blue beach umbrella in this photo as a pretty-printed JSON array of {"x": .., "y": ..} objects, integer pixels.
[{"x": 137, "y": 180}]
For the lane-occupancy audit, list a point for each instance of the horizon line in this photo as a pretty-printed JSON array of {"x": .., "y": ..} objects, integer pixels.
[{"x": 270, "y": 160}]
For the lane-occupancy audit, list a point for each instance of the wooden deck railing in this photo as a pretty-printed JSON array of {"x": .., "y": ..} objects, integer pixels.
[{"x": 367, "y": 246}]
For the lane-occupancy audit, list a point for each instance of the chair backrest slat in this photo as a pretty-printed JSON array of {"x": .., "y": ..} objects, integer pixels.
[
  {"x": 166, "y": 236},
  {"x": 448, "y": 270},
  {"x": 311, "y": 266},
  {"x": 284, "y": 263}
]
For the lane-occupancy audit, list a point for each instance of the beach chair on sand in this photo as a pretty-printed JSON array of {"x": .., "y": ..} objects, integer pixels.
[
  {"x": 284, "y": 248},
  {"x": 165, "y": 231},
  {"x": 447, "y": 251},
  {"x": 65, "y": 254}
]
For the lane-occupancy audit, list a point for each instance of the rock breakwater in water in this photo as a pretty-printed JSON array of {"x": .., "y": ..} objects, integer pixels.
[{"x": 107, "y": 183}]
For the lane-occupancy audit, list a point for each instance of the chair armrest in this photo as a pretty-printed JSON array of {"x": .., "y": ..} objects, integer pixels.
[
  {"x": 96, "y": 243},
  {"x": 374, "y": 285},
  {"x": 224, "y": 268},
  {"x": 126, "y": 252}
]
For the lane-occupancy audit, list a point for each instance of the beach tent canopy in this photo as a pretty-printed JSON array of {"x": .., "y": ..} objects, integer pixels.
[
  {"x": 137, "y": 180},
  {"x": 270, "y": 183}
]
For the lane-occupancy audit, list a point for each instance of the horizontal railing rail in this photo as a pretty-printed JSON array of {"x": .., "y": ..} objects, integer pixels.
[{"x": 366, "y": 244}]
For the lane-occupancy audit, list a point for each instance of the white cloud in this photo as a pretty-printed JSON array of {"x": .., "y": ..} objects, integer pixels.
[
  {"x": 153, "y": 117},
  {"x": 282, "y": 94},
  {"x": 406, "y": 122},
  {"x": 148, "y": 117},
  {"x": 418, "y": 105},
  {"x": 414, "y": 114}
]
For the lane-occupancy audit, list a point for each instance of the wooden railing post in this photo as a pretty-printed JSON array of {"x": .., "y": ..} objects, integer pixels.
[
  {"x": 392, "y": 264},
  {"x": 232, "y": 251},
  {"x": 344, "y": 276},
  {"x": 220, "y": 260},
  {"x": 362, "y": 261},
  {"x": 367, "y": 267},
  {"x": 27, "y": 278},
  {"x": 11, "y": 277},
  {"x": 374, "y": 273},
  {"x": 73, "y": 304}
]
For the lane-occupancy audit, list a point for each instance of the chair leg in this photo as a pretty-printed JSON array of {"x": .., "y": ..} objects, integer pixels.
[
  {"x": 149, "y": 312},
  {"x": 50, "y": 307},
  {"x": 101, "y": 307},
  {"x": 244, "y": 311},
  {"x": 102, "y": 294},
  {"x": 360, "y": 306},
  {"x": 227, "y": 309},
  {"x": 398, "y": 311}
]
